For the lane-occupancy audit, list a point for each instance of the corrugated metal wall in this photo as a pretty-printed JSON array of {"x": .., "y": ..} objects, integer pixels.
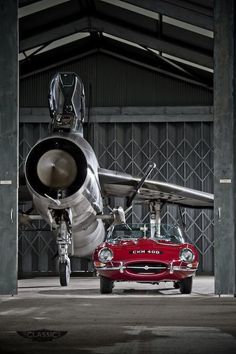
[{"x": 117, "y": 83}]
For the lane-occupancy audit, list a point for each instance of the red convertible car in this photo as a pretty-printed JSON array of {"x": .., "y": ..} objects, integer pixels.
[{"x": 135, "y": 252}]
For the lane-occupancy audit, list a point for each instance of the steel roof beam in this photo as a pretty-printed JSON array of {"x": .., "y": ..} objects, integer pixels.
[
  {"x": 156, "y": 69},
  {"x": 149, "y": 40},
  {"x": 180, "y": 10},
  {"x": 92, "y": 24},
  {"x": 55, "y": 33},
  {"x": 22, "y": 3}
]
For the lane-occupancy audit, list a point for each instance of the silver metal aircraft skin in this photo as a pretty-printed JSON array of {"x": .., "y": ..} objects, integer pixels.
[
  {"x": 63, "y": 175},
  {"x": 84, "y": 204}
]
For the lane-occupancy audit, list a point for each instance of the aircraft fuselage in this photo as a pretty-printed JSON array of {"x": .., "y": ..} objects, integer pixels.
[{"x": 62, "y": 173}]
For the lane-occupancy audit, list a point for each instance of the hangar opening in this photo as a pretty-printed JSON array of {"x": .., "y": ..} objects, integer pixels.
[{"x": 148, "y": 76}]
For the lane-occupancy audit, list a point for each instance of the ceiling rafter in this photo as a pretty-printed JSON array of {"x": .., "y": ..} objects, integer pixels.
[
  {"x": 157, "y": 69},
  {"x": 151, "y": 41},
  {"x": 37, "y": 6},
  {"x": 182, "y": 10},
  {"x": 112, "y": 27},
  {"x": 98, "y": 43},
  {"x": 55, "y": 33}
]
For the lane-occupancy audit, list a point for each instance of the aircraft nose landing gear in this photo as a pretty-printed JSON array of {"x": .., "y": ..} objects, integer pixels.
[
  {"x": 63, "y": 242},
  {"x": 64, "y": 271},
  {"x": 62, "y": 220}
]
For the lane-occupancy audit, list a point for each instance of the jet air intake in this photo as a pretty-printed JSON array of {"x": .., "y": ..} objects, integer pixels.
[{"x": 56, "y": 165}]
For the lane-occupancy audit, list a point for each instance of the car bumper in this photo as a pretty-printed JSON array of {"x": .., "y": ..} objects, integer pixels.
[{"x": 171, "y": 272}]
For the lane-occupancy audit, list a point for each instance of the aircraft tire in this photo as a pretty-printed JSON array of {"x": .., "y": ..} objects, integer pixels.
[
  {"x": 185, "y": 285},
  {"x": 106, "y": 285},
  {"x": 64, "y": 273}
]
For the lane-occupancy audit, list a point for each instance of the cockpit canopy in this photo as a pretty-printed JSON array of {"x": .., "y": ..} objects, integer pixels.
[
  {"x": 66, "y": 102},
  {"x": 167, "y": 233}
]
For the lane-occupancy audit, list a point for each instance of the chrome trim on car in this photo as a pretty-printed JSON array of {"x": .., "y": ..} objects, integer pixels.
[
  {"x": 183, "y": 269},
  {"x": 109, "y": 268},
  {"x": 180, "y": 268},
  {"x": 102, "y": 250},
  {"x": 145, "y": 267},
  {"x": 122, "y": 267},
  {"x": 171, "y": 268}
]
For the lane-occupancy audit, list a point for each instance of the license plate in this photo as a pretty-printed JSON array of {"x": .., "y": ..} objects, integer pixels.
[{"x": 145, "y": 252}]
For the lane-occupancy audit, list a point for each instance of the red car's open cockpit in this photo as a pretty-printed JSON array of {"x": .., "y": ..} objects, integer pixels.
[{"x": 166, "y": 233}]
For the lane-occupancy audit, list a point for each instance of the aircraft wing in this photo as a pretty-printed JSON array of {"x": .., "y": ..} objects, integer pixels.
[{"x": 120, "y": 184}]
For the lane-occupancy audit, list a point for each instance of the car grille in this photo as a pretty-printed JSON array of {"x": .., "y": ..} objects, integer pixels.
[{"x": 146, "y": 268}]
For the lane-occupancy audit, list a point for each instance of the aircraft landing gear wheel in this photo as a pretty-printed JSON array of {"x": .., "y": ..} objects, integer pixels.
[
  {"x": 106, "y": 285},
  {"x": 185, "y": 285},
  {"x": 64, "y": 272}
]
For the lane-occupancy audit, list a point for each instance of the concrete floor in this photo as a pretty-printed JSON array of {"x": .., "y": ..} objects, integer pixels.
[{"x": 136, "y": 318}]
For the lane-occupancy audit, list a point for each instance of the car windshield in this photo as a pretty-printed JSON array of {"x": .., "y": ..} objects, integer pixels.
[{"x": 169, "y": 233}]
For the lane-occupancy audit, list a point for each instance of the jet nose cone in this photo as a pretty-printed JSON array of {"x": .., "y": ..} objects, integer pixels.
[{"x": 56, "y": 169}]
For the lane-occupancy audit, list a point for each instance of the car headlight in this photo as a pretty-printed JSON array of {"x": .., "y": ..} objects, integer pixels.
[
  {"x": 186, "y": 255},
  {"x": 105, "y": 255}
]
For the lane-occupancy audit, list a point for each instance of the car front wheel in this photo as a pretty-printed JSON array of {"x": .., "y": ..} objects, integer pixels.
[
  {"x": 185, "y": 285},
  {"x": 106, "y": 285}
]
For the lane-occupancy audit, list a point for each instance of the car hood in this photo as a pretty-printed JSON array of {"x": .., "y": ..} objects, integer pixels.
[
  {"x": 143, "y": 243},
  {"x": 145, "y": 249}
]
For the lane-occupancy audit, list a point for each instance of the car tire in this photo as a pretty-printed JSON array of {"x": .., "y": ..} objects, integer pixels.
[
  {"x": 64, "y": 272},
  {"x": 106, "y": 285},
  {"x": 185, "y": 285},
  {"x": 176, "y": 285}
]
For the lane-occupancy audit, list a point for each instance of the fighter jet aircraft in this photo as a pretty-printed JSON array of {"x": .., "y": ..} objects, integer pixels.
[{"x": 68, "y": 186}]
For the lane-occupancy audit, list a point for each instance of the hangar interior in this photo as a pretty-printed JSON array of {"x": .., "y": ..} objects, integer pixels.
[{"x": 147, "y": 67}]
